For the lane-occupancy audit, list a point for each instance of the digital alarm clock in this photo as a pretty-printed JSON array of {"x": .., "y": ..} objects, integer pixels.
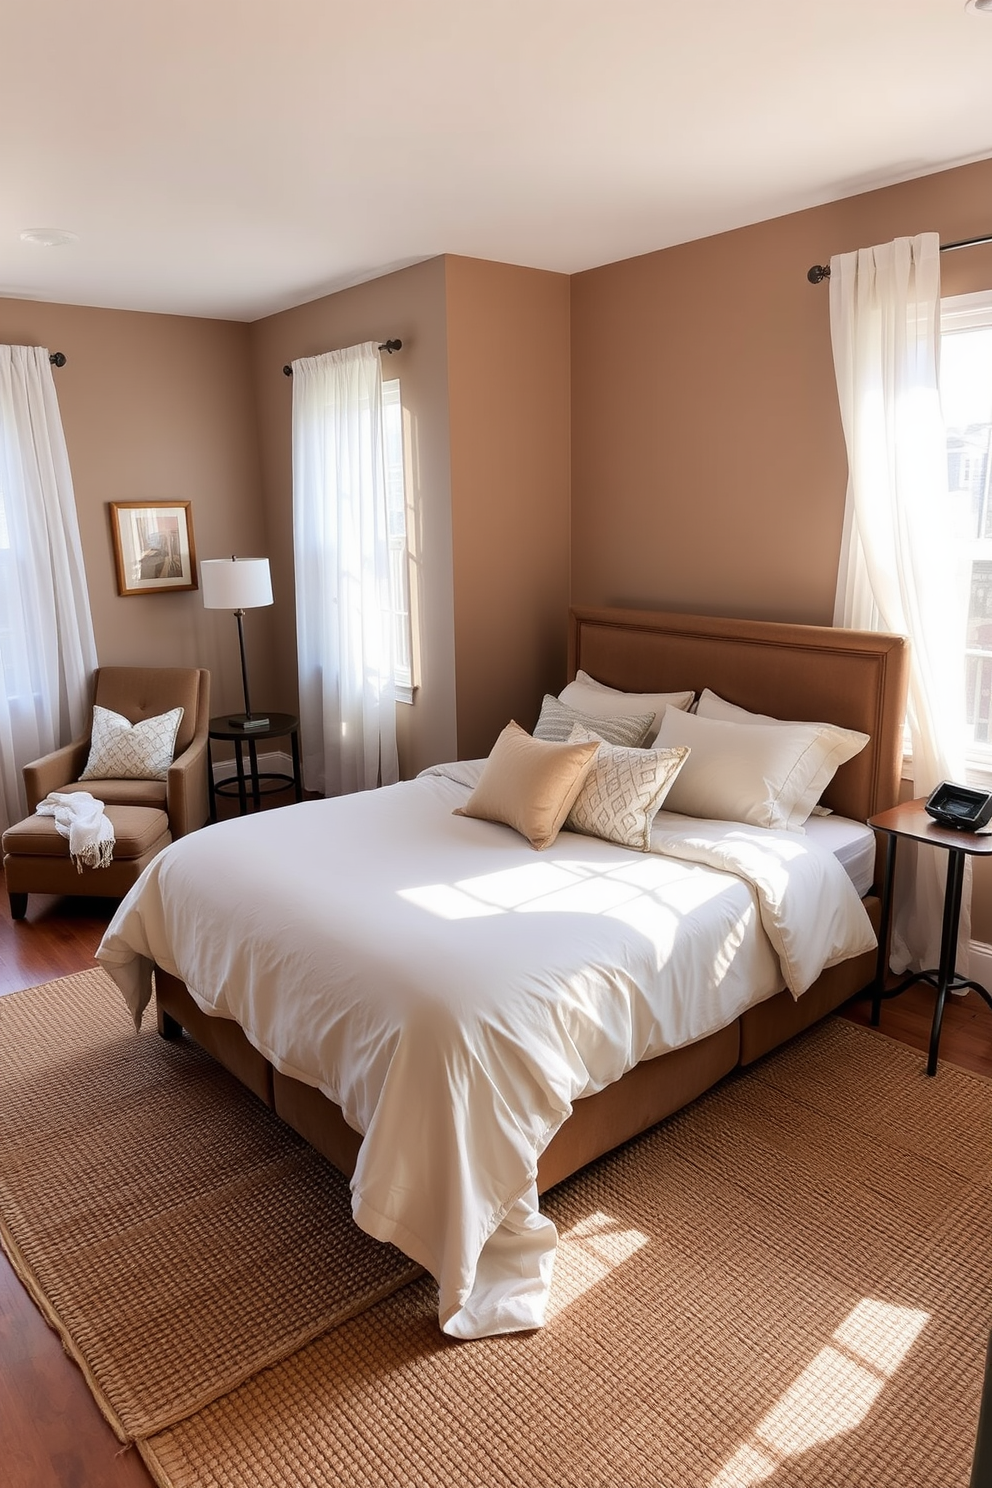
[{"x": 960, "y": 806}]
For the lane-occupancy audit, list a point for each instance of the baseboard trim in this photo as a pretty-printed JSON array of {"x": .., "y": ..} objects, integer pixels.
[
  {"x": 273, "y": 762},
  {"x": 980, "y": 962}
]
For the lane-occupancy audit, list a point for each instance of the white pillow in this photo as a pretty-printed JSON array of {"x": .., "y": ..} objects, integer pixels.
[
  {"x": 623, "y": 791},
  {"x": 769, "y": 775},
  {"x": 710, "y": 705},
  {"x": 558, "y": 719},
  {"x": 595, "y": 698},
  {"x": 120, "y": 750}
]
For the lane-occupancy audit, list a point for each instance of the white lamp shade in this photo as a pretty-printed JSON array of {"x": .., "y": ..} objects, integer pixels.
[{"x": 235, "y": 583}]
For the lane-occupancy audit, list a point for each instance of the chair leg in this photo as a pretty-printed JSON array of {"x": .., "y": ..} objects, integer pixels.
[{"x": 18, "y": 905}]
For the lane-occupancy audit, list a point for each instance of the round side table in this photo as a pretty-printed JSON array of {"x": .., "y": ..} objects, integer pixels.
[
  {"x": 911, "y": 821},
  {"x": 231, "y": 728}
]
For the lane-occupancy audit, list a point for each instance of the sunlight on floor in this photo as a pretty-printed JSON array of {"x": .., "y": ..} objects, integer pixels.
[
  {"x": 833, "y": 1394},
  {"x": 587, "y": 1254}
]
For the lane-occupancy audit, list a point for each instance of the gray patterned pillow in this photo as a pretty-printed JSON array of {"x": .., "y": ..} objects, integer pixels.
[
  {"x": 120, "y": 750},
  {"x": 623, "y": 791},
  {"x": 557, "y": 721}
]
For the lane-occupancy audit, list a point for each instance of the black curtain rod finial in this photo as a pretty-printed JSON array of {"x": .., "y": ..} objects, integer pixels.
[
  {"x": 818, "y": 273},
  {"x": 387, "y": 346},
  {"x": 57, "y": 358}
]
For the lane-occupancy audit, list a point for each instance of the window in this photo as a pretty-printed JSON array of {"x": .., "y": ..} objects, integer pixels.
[
  {"x": 399, "y": 560},
  {"x": 966, "y": 397}
]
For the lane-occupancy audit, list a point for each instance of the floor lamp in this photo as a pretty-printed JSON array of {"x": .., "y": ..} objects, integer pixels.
[{"x": 238, "y": 584}]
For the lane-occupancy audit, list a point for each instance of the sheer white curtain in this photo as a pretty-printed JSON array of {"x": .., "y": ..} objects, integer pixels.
[
  {"x": 904, "y": 560},
  {"x": 343, "y": 611},
  {"x": 47, "y": 650}
]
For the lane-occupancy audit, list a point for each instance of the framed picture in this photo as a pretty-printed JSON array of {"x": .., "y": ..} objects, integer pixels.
[{"x": 153, "y": 546}]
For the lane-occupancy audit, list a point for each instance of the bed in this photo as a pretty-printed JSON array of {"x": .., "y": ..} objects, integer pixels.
[{"x": 459, "y": 1022}]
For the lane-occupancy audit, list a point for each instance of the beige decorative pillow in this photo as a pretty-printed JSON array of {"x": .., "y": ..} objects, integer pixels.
[
  {"x": 623, "y": 792},
  {"x": 558, "y": 719},
  {"x": 120, "y": 750},
  {"x": 529, "y": 784},
  {"x": 595, "y": 698}
]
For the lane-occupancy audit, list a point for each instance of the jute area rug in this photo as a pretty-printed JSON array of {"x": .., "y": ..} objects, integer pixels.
[
  {"x": 177, "y": 1235},
  {"x": 789, "y": 1284}
]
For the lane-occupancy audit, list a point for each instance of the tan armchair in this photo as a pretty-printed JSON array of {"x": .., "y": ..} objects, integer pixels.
[{"x": 146, "y": 814}]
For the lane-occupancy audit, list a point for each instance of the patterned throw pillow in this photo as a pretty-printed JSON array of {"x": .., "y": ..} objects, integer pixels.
[
  {"x": 558, "y": 719},
  {"x": 623, "y": 792},
  {"x": 120, "y": 750}
]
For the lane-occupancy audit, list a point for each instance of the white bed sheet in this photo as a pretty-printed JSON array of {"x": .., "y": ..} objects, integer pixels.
[
  {"x": 852, "y": 844},
  {"x": 454, "y": 992}
]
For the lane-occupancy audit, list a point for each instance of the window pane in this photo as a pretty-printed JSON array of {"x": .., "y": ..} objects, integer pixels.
[
  {"x": 399, "y": 568},
  {"x": 966, "y": 395}
]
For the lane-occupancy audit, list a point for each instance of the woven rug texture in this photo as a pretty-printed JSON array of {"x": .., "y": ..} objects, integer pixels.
[
  {"x": 788, "y": 1283},
  {"x": 177, "y": 1234}
]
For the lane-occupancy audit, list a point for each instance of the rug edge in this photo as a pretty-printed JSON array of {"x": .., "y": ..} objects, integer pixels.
[
  {"x": 25, "y": 1275},
  {"x": 280, "y": 1354}
]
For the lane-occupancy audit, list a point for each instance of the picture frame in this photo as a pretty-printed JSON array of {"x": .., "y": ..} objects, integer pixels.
[{"x": 154, "y": 551}]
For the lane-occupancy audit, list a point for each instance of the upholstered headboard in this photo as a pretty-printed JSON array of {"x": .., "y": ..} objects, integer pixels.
[{"x": 854, "y": 678}]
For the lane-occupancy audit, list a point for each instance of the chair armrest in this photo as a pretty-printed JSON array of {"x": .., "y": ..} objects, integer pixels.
[
  {"x": 50, "y": 773},
  {"x": 187, "y": 800}
]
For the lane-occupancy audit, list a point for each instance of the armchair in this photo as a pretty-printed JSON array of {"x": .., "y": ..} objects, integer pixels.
[{"x": 146, "y": 814}]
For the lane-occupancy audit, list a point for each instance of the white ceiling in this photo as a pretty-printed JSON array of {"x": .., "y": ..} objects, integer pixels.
[{"x": 235, "y": 157}]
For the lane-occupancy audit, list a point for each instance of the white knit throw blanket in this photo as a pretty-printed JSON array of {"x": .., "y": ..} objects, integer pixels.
[{"x": 81, "y": 817}]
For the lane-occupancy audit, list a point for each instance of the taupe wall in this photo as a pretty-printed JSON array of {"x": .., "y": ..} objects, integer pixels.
[
  {"x": 708, "y": 465},
  {"x": 708, "y": 461},
  {"x": 409, "y": 306},
  {"x": 157, "y": 408},
  {"x": 508, "y": 402}
]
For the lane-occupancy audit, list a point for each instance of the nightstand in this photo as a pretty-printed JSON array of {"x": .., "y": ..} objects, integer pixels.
[
  {"x": 911, "y": 821},
  {"x": 279, "y": 726}
]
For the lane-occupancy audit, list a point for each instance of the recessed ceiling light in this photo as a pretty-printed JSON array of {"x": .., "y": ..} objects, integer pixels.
[
  {"x": 984, "y": 6},
  {"x": 48, "y": 237}
]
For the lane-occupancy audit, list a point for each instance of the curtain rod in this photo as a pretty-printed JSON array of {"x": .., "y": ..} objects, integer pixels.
[
  {"x": 57, "y": 358},
  {"x": 388, "y": 346},
  {"x": 819, "y": 272}
]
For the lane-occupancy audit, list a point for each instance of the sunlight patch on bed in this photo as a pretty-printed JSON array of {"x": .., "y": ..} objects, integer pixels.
[
  {"x": 559, "y": 886},
  {"x": 448, "y": 902},
  {"x": 834, "y": 1393},
  {"x": 586, "y": 1255}
]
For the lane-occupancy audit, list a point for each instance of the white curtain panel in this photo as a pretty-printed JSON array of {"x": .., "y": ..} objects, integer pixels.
[
  {"x": 905, "y": 560},
  {"x": 47, "y": 649},
  {"x": 343, "y": 614}
]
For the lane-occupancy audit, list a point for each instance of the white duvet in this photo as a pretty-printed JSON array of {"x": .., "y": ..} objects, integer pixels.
[{"x": 454, "y": 992}]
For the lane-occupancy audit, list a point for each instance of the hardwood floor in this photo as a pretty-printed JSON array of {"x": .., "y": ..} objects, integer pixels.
[{"x": 51, "y": 1433}]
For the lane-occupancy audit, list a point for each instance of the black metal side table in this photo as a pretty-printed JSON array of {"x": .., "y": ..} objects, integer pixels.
[
  {"x": 911, "y": 821},
  {"x": 279, "y": 726}
]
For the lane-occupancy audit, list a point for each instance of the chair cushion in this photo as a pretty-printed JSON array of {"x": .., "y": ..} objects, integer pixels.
[
  {"x": 121, "y": 792},
  {"x": 137, "y": 829}
]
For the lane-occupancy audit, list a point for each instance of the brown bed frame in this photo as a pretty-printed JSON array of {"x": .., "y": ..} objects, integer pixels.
[{"x": 853, "y": 678}]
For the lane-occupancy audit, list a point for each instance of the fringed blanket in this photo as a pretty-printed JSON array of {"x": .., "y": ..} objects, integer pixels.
[{"x": 81, "y": 817}]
